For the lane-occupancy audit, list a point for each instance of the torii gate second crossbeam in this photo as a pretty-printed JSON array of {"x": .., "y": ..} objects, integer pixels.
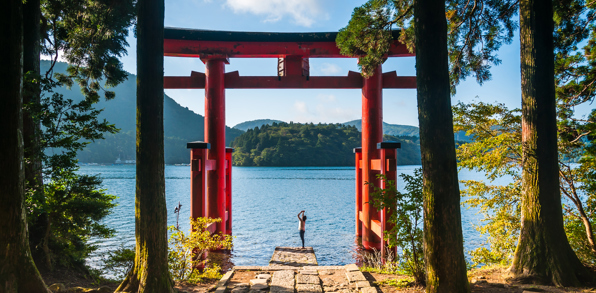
[{"x": 211, "y": 161}]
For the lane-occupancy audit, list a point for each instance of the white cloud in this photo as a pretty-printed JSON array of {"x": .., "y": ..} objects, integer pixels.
[
  {"x": 326, "y": 98},
  {"x": 327, "y": 109},
  {"x": 300, "y": 107},
  {"x": 303, "y": 12},
  {"x": 330, "y": 69}
]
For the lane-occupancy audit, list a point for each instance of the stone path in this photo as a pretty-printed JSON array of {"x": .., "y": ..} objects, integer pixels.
[
  {"x": 293, "y": 256},
  {"x": 295, "y": 270}
]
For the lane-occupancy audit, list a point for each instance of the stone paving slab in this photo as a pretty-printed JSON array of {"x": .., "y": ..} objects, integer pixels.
[
  {"x": 351, "y": 267},
  {"x": 369, "y": 290},
  {"x": 308, "y": 288},
  {"x": 307, "y": 279},
  {"x": 321, "y": 268},
  {"x": 293, "y": 256},
  {"x": 283, "y": 279},
  {"x": 277, "y": 268},
  {"x": 258, "y": 281},
  {"x": 247, "y": 268},
  {"x": 355, "y": 276},
  {"x": 308, "y": 272},
  {"x": 224, "y": 280},
  {"x": 362, "y": 284}
]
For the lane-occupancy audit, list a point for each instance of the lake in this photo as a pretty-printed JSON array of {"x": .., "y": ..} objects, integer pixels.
[{"x": 265, "y": 202}]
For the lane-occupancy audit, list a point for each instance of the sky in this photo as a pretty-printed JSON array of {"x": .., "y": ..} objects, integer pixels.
[{"x": 309, "y": 105}]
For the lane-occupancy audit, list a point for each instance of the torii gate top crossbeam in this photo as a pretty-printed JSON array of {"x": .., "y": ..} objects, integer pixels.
[{"x": 180, "y": 42}]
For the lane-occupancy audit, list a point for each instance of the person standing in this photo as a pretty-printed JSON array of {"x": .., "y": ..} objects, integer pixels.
[{"x": 302, "y": 225}]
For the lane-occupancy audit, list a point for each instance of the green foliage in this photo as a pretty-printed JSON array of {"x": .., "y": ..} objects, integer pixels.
[
  {"x": 407, "y": 232},
  {"x": 495, "y": 150},
  {"x": 398, "y": 283},
  {"x": 74, "y": 204},
  {"x": 295, "y": 144},
  {"x": 92, "y": 36},
  {"x": 187, "y": 253},
  {"x": 118, "y": 262},
  {"x": 476, "y": 31}
]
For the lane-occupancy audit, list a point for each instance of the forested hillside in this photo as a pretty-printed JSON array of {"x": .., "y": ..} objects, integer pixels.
[
  {"x": 294, "y": 144},
  {"x": 181, "y": 125},
  {"x": 390, "y": 129},
  {"x": 244, "y": 126}
]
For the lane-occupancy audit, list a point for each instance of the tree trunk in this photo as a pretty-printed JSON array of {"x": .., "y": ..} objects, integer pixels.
[
  {"x": 443, "y": 239},
  {"x": 17, "y": 270},
  {"x": 150, "y": 271},
  {"x": 39, "y": 232},
  {"x": 543, "y": 253}
]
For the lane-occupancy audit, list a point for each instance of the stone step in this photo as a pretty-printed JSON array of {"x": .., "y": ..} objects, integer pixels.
[
  {"x": 355, "y": 276},
  {"x": 293, "y": 256}
]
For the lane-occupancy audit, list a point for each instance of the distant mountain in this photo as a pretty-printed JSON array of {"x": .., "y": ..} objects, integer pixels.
[
  {"x": 390, "y": 129},
  {"x": 244, "y": 126},
  {"x": 181, "y": 125}
]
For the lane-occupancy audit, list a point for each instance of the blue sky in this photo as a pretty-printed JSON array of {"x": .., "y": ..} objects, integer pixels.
[{"x": 326, "y": 106}]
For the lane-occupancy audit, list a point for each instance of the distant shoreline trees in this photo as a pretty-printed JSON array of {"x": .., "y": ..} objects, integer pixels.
[{"x": 295, "y": 144}]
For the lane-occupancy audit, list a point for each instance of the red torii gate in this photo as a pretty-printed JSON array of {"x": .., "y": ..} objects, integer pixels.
[{"x": 211, "y": 160}]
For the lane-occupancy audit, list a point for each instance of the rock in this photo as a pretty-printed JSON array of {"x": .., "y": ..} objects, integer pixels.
[
  {"x": 258, "y": 282},
  {"x": 308, "y": 272},
  {"x": 224, "y": 280},
  {"x": 330, "y": 289},
  {"x": 264, "y": 276},
  {"x": 221, "y": 289},
  {"x": 240, "y": 285},
  {"x": 328, "y": 282},
  {"x": 58, "y": 287},
  {"x": 307, "y": 279},
  {"x": 369, "y": 290},
  {"x": 259, "y": 287},
  {"x": 355, "y": 276},
  {"x": 240, "y": 290},
  {"x": 308, "y": 288},
  {"x": 351, "y": 268},
  {"x": 361, "y": 284}
]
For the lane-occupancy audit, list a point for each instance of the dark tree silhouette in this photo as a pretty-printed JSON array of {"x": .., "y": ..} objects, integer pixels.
[
  {"x": 150, "y": 271},
  {"x": 443, "y": 239},
  {"x": 17, "y": 270},
  {"x": 543, "y": 253}
]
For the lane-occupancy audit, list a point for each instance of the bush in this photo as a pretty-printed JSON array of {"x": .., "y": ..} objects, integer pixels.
[
  {"x": 187, "y": 254},
  {"x": 407, "y": 233}
]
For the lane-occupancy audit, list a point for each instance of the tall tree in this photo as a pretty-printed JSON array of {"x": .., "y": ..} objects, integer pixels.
[
  {"x": 450, "y": 45},
  {"x": 40, "y": 229},
  {"x": 90, "y": 35},
  {"x": 17, "y": 270},
  {"x": 443, "y": 238},
  {"x": 150, "y": 271},
  {"x": 543, "y": 253}
]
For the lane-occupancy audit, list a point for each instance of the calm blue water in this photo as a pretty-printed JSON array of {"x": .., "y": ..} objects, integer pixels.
[{"x": 265, "y": 202}]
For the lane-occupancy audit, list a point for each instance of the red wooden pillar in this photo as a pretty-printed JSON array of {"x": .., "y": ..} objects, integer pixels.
[
  {"x": 215, "y": 129},
  {"x": 388, "y": 164},
  {"x": 372, "y": 133},
  {"x": 358, "y": 159},
  {"x": 198, "y": 178},
  {"x": 229, "y": 190}
]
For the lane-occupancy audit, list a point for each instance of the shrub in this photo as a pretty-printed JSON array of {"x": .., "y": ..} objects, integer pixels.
[{"x": 187, "y": 254}]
